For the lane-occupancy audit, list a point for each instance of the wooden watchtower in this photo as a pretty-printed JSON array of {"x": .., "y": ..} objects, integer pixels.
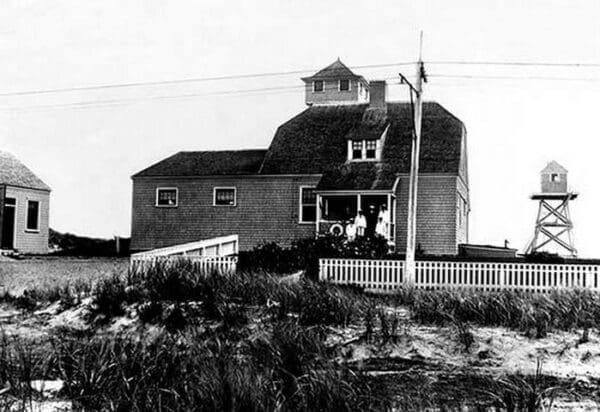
[{"x": 553, "y": 224}]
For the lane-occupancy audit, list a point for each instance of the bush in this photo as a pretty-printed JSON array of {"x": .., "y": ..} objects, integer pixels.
[{"x": 110, "y": 295}]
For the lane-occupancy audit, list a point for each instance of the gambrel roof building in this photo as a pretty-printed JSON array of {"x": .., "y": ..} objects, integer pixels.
[{"x": 348, "y": 151}]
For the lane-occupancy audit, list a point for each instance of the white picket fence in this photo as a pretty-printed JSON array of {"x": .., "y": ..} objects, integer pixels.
[
  {"x": 207, "y": 264},
  {"x": 206, "y": 255},
  {"x": 387, "y": 275}
]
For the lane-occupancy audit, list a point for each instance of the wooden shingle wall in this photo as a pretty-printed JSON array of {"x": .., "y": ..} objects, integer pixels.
[
  {"x": 29, "y": 241},
  {"x": 266, "y": 209}
]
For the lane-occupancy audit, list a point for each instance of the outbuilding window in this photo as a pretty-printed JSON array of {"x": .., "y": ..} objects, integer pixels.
[
  {"x": 308, "y": 205},
  {"x": 224, "y": 196},
  {"x": 33, "y": 215},
  {"x": 166, "y": 197},
  {"x": 318, "y": 86},
  {"x": 344, "y": 85},
  {"x": 555, "y": 177}
]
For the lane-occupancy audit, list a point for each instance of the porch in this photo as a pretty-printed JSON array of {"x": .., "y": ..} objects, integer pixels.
[{"x": 336, "y": 209}]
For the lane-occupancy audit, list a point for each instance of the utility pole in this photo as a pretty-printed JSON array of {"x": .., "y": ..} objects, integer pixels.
[{"x": 411, "y": 227}]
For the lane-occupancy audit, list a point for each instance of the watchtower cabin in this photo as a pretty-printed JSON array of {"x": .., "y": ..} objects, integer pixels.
[{"x": 553, "y": 225}]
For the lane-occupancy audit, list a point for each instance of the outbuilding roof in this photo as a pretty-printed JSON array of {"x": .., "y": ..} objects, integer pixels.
[
  {"x": 207, "y": 163},
  {"x": 553, "y": 167},
  {"x": 15, "y": 173}
]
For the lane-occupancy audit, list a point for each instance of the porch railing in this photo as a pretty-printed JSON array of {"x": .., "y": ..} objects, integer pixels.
[{"x": 388, "y": 275}]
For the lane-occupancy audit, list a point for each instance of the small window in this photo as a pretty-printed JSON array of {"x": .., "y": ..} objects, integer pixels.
[
  {"x": 357, "y": 149},
  {"x": 371, "y": 149},
  {"x": 33, "y": 215},
  {"x": 344, "y": 85},
  {"x": 318, "y": 86},
  {"x": 555, "y": 177},
  {"x": 224, "y": 196},
  {"x": 166, "y": 197},
  {"x": 11, "y": 201},
  {"x": 308, "y": 205}
]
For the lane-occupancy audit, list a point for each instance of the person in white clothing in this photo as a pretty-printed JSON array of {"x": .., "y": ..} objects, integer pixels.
[
  {"x": 384, "y": 215},
  {"x": 350, "y": 231},
  {"x": 361, "y": 224}
]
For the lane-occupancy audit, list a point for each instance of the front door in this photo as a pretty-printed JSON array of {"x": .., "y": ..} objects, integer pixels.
[{"x": 8, "y": 224}]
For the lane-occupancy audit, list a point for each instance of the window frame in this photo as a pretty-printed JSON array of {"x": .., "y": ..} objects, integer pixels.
[
  {"x": 301, "y": 205},
  {"x": 374, "y": 149},
  {"x": 314, "y": 89},
  {"x": 363, "y": 155},
  {"x": 39, "y": 209},
  {"x": 234, "y": 188},
  {"x": 340, "y": 85},
  {"x": 158, "y": 189}
]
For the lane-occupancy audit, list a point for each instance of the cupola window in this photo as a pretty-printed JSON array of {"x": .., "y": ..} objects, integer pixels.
[
  {"x": 318, "y": 86},
  {"x": 344, "y": 85}
]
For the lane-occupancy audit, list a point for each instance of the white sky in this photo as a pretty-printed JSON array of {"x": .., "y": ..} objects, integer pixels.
[{"x": 87, "y": 154}]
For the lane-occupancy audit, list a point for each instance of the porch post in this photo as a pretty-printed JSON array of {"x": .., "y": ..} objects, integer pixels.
[
  {"x": 358, "y": 203},
  {"x": 389, "y": 223},
  {"x": 318, "y": 215}
]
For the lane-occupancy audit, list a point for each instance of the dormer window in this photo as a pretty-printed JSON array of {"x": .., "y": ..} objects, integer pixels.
[
  {"x": 364, "y": 150},
  {"x": 344, "y": 85},
  {"x": 371, "y": 149},
  {"x": 357, "y": 149},
  {"x": 318, "y": 86}
]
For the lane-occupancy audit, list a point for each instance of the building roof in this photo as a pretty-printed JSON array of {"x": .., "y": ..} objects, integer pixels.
[
  {"x": 228, "y": 162},
  {"x": 315, "y": 142},
  {"x": 335, "y": 70},
  {"x": 553, "y": 167},
  {"x": 15, "y": 173}
]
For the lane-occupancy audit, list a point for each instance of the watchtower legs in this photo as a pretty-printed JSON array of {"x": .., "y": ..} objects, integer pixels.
[{"x": 553, "y": 225}]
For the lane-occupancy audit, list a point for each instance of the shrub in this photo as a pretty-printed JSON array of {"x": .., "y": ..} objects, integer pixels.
[{"x": 110, "y": 295}]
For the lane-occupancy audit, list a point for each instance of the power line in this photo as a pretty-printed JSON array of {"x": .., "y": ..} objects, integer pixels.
[
  {"x": 494, "y": 77},
  {"x": 184, "y": 81},
  {"x": 514, "y": 63}
]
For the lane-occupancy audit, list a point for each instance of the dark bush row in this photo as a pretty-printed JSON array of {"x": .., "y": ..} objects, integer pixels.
[{"x": 304, "y": 254}]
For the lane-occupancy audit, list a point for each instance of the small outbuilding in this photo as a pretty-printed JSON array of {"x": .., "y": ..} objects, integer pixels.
[{"x": 24, "y": 208}]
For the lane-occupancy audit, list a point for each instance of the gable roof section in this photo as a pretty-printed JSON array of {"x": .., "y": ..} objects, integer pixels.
[
  {"x": 553, "y": 167},
  {"x": 335, "y": 70},
  {"x": 227, "y": 162},
  {"x": 315, "y": 142},
  {"x": 15, "y": 173}
]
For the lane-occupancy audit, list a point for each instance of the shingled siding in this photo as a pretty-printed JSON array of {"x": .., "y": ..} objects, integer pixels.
[
  {"x": 436, "y": 214},
  {"x": 35, "y": 242},
  {"x": 266, "y": 209}
]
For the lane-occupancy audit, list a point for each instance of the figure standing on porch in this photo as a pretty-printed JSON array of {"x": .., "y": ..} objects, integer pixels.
[
  {"x": 381, "y": 228},
  {"x": 350, "y": 231},
  {"x": 371, "y": 217},
  {"x": 361, "y": 224},
  {"x": 384, "y": 214}
]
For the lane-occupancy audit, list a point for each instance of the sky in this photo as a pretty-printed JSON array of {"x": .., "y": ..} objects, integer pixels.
[{"x": 86, "y": 144}]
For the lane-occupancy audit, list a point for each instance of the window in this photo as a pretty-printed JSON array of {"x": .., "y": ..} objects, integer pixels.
[
  {"x": 308, "y": 205},
  {"x": 357, "y": 149},
  {"x": 555, "y": 177},
  {"x": 224, "y": 196},
  {"x": 344, "y": 85},
  {"x": 33, "y": 215},
  {"x": 371, "y": 149},
  {"x": 166, "y": 197},
  {"x": 363, "y": 150},
  {"x": 318, "y": 86},
  {"x": 339, "y": 208}
]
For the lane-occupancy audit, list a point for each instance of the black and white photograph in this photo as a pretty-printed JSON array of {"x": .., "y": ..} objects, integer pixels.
[{"x": 298, "y": 206}]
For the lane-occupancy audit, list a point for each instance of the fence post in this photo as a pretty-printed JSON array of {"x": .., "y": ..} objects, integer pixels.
[{"x": 589, "y": 279}]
